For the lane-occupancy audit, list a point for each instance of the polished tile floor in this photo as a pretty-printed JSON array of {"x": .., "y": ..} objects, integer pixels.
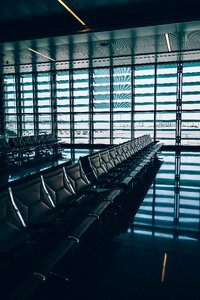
[
  {"x": 8, "y": 176},
  {"x": 171, "y": 208},
  {"x": 150, "y": 253}
]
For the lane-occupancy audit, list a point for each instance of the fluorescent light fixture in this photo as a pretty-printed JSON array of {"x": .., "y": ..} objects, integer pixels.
[
  {"x": 71, "y": 12},
  {"x": 168, "y": 42},
  {"x": 41, "y": 54}
]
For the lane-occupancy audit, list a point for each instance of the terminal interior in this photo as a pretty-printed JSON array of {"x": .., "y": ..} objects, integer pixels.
[{"x": 99, "y": 150}]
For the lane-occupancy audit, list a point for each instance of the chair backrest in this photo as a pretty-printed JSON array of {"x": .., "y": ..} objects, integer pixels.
[
  {"x": 128, "y": 148},
  {"x": 106, "y": 159},
  {"x": 58, "y": 186},
  {"x": 120, "y": 153},
  {"x": 76, "y": 177},
  {"x": 36, "y": 140},
  {"x": 135, "y": 146},
  {"x": 125, "y": 151},
  {"x": 42, "y": 138},
  {"x": 85, "y": 164},
  {"x": 114, "y": 156},
  {"x": 4, "y": 145},
  {"x": 33, "y": 201},
  {"x": 11, "y": 227},
  {"x": 132, "y": 147},
  {"x": 15, "y": 142},
  {"x": 96, "y": 165}
]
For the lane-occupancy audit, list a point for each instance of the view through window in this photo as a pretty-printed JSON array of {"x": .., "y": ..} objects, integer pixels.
[{"x": 107, "y": 105}]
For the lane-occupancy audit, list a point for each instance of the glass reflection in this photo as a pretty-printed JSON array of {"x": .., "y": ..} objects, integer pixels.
[{"x": 171, "y": 207}]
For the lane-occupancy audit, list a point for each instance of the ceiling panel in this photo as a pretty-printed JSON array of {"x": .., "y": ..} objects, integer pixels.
[
  {"x": 22, "y": 19},
  {"x": 91, "y": 46},
  {"x": 110, "y": 39}
]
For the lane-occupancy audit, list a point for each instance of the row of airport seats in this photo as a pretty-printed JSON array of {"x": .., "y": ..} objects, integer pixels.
[
  {"x": 20, "y": 150},
  {"x": 118, "y": 165},
  {"x": 44, "y": 217}
]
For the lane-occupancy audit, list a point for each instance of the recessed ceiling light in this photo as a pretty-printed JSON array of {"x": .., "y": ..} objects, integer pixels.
[
  {"x": 41, "y": 54},
  {"x": 168, "y": 42},
  {"x": 71, "y": 12}
]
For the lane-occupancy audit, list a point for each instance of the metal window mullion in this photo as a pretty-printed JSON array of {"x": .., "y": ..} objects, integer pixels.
[
  {"x": 179, "y": 104},
  {"x": 2, "y": 110},
  {"x": 180, "y": 98},
  {"x": 71, "y": 100},
  {"x": 18, "y": 105},
  {"x": 111, "y": 105},
  {"x": 35, "y": 104},
  {"x": 21, "y": 84},
  {"x": 54, "y": 103},
  {"x": 132, "y": 101},
  {"x": 155, "y": 102},
  {"x": 91, "y": 104}
]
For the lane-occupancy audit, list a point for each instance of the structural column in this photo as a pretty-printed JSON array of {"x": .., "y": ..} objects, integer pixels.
[
  {"x": 54, "y": 103},
  {"x": 18, "y": 105},
  {"x": 2, "y": 129},
  {"x": 111, "y": 105},
  {"x": 91, "y": 113},
  {"x": 179, "y": 103}
]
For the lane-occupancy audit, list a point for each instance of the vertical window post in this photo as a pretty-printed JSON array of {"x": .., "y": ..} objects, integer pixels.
[
  {"x": 91, "y": 119},
  {"x": 179, "y": 104},
  {"x": 18, "y": 104},
  {"x": 132, "y": 102},
  {"x": 35, "y": 104},
  {"x": 111, "y": 105},
  {"x": 54, "y": 103},
  {"x": 2, "y": 129},
  {"x": 155, "y": 106},
  {"x": 71, "y": 96}
]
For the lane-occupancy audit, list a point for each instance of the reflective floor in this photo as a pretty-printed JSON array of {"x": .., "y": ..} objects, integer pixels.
[
  {"x": 158, "y": 256},
  {"x": 154, "y": 252},
  {"x": 171, "y": 208},
  {"x": 10, "y": 175}
]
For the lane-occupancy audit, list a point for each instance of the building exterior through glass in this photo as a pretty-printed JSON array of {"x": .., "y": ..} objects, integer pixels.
[{"x": 106, "y": 105}]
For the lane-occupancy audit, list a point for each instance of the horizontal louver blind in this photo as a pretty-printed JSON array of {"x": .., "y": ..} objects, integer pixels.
[
  {"x": 122, "y": 104},
  {"x": 144, "y": 80},
  {"x": 101, "y": 105},
  {"x": 81, "y": 106},
  {"x": 44, "y": 103},
  {"x": 10, "y": 106},
  {"x": 63, "y": 105},
  {"x": 190, "y": 127},
  {"x": 166, "y": 95},
  {"x": 26, "y": 87}
]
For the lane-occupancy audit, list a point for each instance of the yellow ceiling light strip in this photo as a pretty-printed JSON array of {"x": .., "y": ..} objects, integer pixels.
[
  {"x": 168, "y": 42},
  {"x": 41, "y": 54},
  {"x": 71, "y": 12}
]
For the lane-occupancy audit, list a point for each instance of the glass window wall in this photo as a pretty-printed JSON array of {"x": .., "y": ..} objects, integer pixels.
[{"x": 106, "y": 105}]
